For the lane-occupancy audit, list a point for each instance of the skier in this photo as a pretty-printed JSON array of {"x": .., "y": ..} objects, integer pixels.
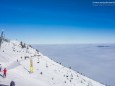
[
  {"x": 0, "y": 67},
  {"x": 12, "y": 83},
  {"x": 4, "y": 75}
]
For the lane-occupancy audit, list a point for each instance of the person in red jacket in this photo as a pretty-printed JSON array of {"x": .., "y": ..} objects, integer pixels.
[{"x": 4, "y": 71}]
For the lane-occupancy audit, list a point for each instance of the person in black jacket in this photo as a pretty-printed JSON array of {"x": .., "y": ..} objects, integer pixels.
[
  {"x": 0, "y": 67},
  {"x": 12, "y": 83}
]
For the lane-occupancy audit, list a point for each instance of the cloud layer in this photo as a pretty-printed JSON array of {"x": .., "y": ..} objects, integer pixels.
[{"x": 93, "y": 60}]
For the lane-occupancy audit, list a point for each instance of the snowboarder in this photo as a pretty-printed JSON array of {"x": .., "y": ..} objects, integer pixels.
[
  {"x": 0, "y": 67},
  {"x": 4, "y": 75},
  {"x": 12, "y": 83}
]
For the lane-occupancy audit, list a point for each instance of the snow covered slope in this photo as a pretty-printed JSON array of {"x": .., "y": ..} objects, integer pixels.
[{"x": 46, "y": 71}]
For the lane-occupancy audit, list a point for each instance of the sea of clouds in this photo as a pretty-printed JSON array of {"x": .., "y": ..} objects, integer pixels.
[{"x": 96, "y": 61}]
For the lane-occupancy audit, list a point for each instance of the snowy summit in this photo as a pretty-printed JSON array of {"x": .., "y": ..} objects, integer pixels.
[{"x": 26, "y": 66}]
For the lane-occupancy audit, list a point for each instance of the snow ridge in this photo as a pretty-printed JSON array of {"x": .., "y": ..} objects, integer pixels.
[{"x": 46, "y": 72}]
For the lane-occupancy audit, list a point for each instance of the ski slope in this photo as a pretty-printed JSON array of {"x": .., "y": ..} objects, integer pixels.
[{"x": 46, "y": 71}]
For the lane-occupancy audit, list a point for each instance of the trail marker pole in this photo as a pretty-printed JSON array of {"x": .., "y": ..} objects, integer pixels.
[{"x": 31, "y": 66}]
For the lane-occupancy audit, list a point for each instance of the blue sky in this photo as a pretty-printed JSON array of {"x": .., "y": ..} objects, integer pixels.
[{"x": 57, "y": 21}]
